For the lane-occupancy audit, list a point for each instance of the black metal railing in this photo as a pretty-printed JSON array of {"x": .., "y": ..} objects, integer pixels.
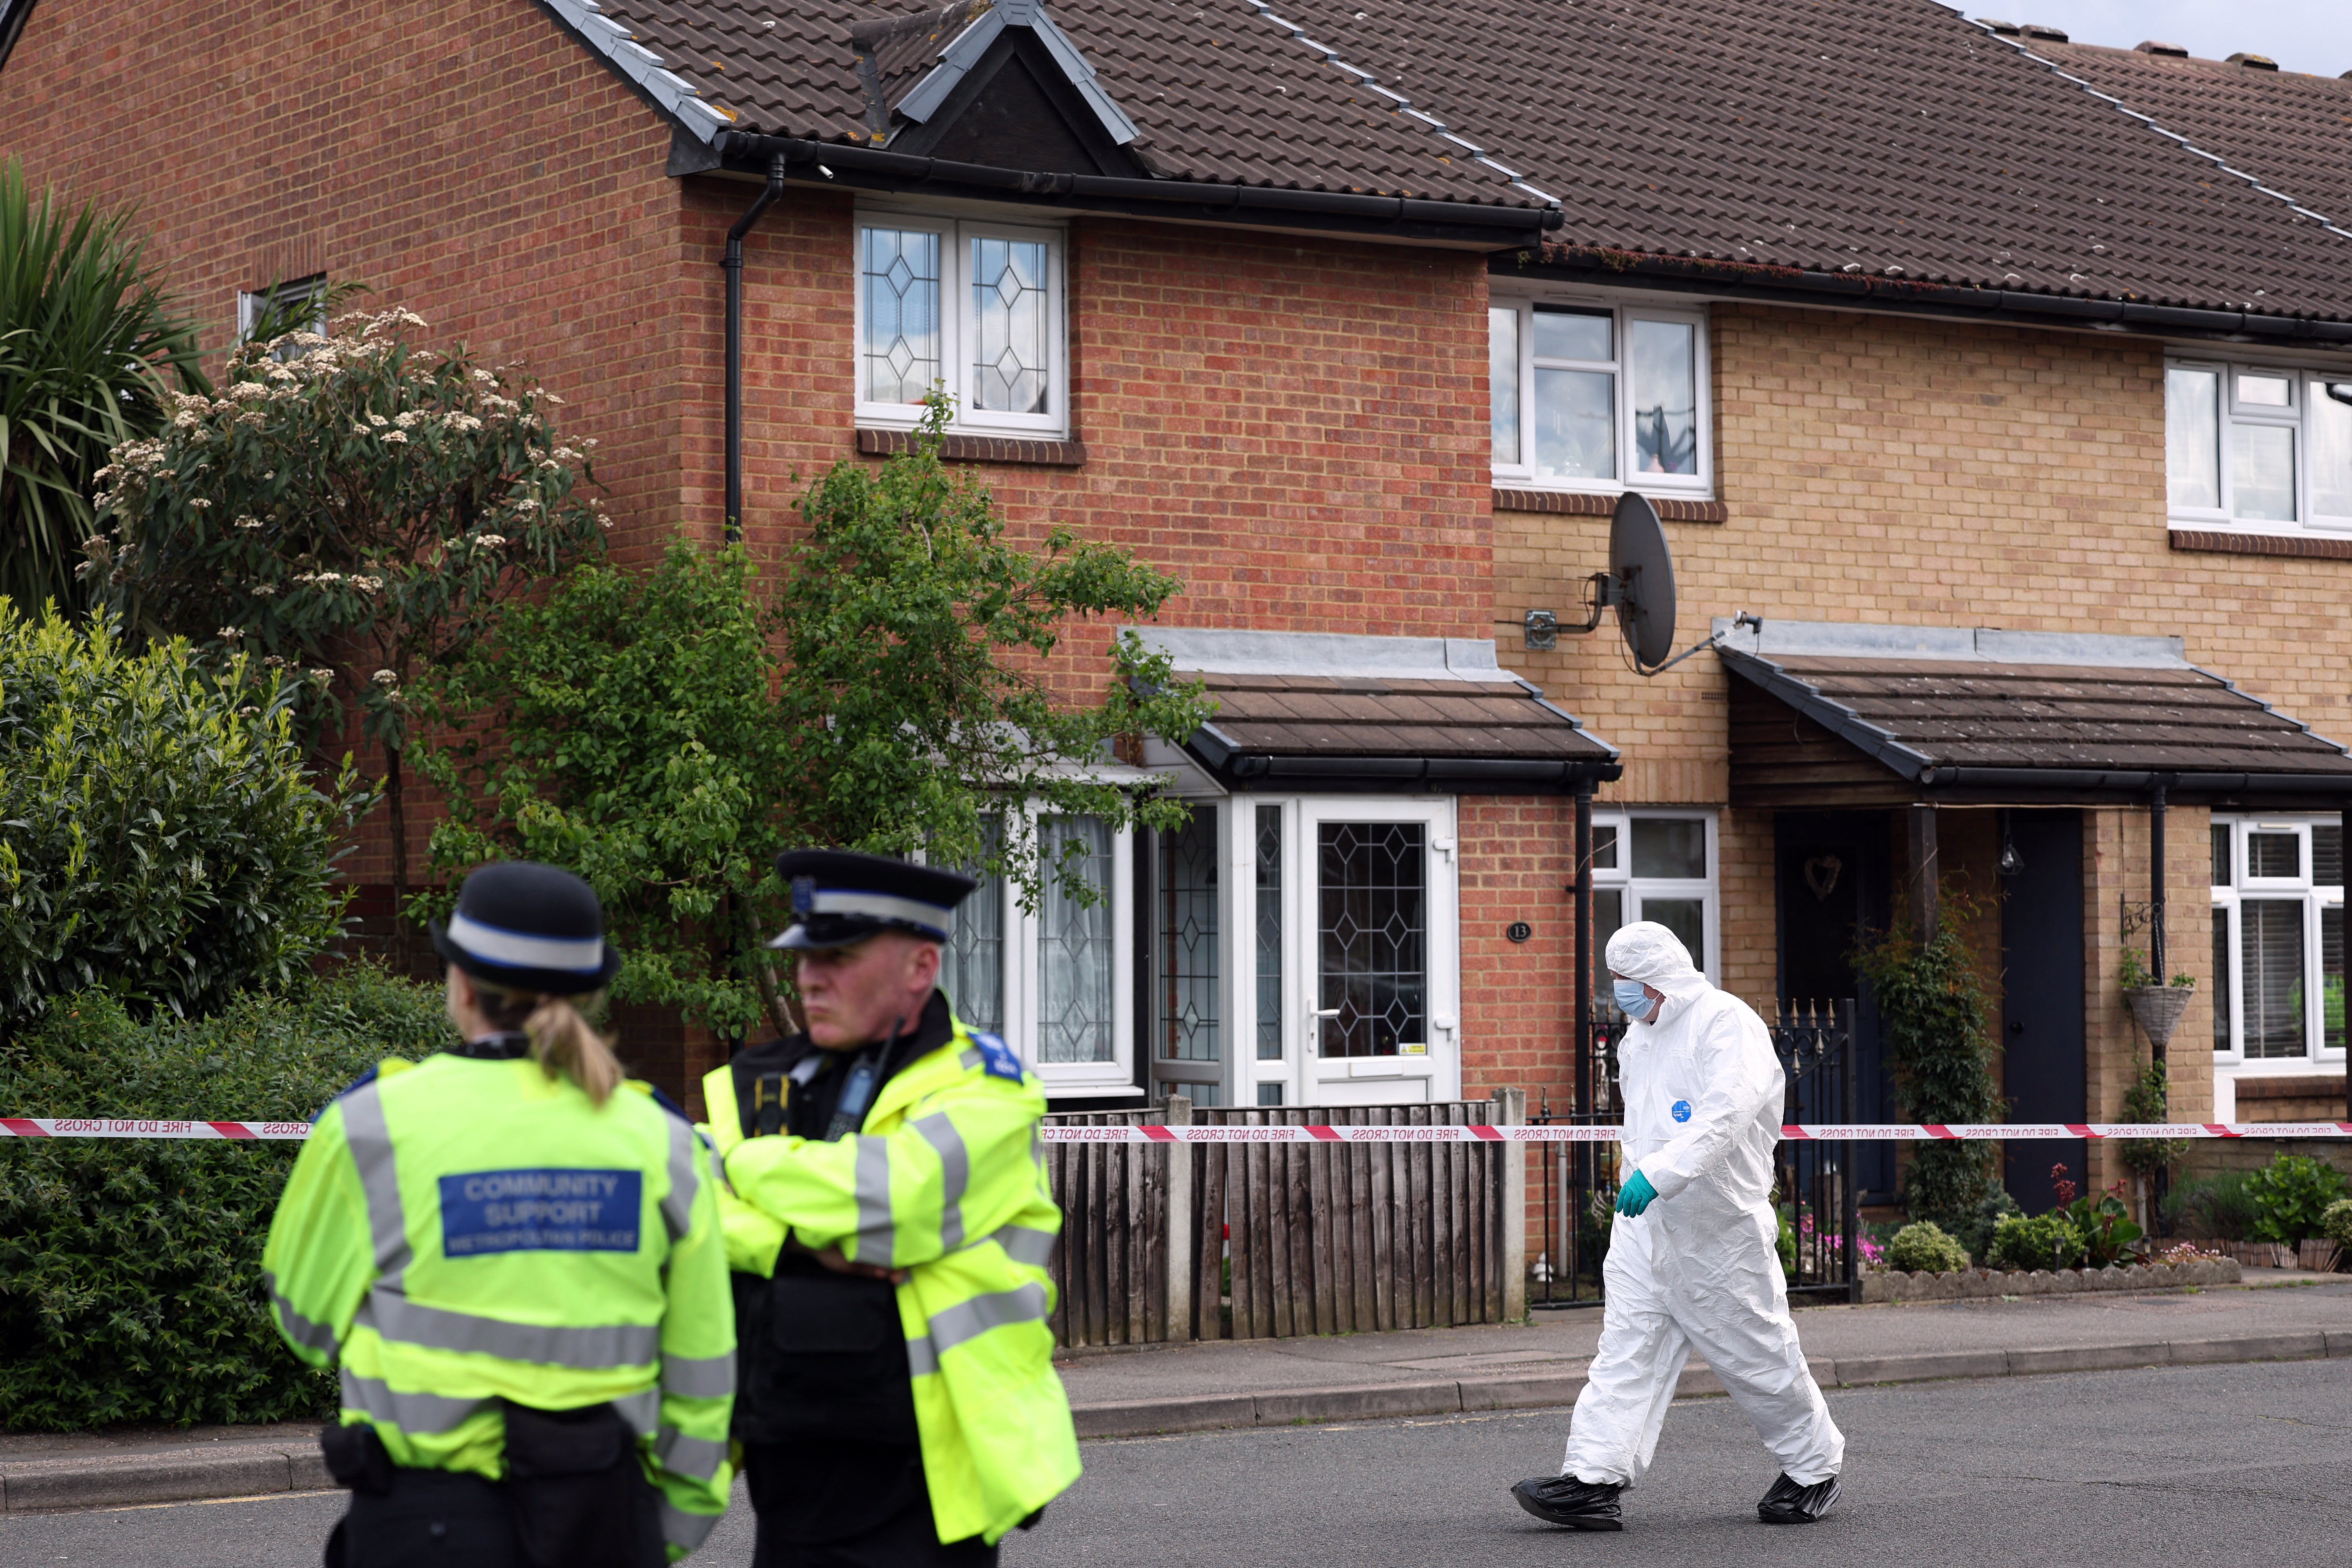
[{"x": 1815, "y": 1192}]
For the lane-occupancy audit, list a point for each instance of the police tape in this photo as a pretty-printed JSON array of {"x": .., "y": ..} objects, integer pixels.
[{"x": 1302, "y": 1132}]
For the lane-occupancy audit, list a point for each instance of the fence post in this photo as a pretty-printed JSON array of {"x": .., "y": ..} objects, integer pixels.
[
  {"x": 1511, "y": 1110},
  {"x": 1178, "y": 1188}
]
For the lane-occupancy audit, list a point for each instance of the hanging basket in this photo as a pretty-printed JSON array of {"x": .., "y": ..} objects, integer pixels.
[{"x": 2158, "y": 1009}]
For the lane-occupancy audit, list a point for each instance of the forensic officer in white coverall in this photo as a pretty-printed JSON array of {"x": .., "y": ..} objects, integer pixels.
[{"x": 1693, "y": 1264}]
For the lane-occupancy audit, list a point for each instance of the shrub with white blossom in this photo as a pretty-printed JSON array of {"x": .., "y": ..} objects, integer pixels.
[{"x": 352, "y": 507}]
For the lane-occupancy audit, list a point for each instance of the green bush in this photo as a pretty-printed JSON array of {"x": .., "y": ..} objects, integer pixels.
[
  {"x": 2290, "y": 1195},
  {"x": 2042, "y": 1241},
  {"x": 1975, "y": 1235},
  {"x": 2335, "y": 1222},
  {"x": 160, "y": 839},
  {"x": 1933, "y": 1013},
  {"x": 2221, "y": 1206},
  {"x": 1922, "y": 1247},
  {"x": 130, "y": 1271}
]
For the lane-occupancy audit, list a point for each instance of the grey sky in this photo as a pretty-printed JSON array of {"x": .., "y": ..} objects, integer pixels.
[{"x": 2314, "y": 35}]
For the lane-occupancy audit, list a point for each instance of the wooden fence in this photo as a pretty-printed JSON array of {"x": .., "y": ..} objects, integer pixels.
[{"x": 1259, "y": 1241}]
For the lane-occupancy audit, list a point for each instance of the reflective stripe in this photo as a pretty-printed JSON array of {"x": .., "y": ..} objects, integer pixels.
[
  {"x": 877, "y": 1238},
  {"x": 641, "y": 1410},
  {"x": 971, "y": 1059},
  {"x": 310, "y": 1336},
  {"x": 698, "y": 1377},
  {"x": 404, "y": 1321},
  {"x": 678, "y": 1205},
  {"x": 696, "y": 1458},
  {"x": 418, "y": 1414},
  {"x": 955, "y": 1175},
  {"x": 370, "y": 1142},
  {"x": 526, "y": 950},
  {"x": 1034, "y": 1247},
  {"x": 685, "y": 1529},
  {"x": 968, "y": 1320}
]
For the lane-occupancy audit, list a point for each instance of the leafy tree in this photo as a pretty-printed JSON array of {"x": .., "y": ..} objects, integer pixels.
[
  {"x": 665, "y": 734},
  {"x": 352, "y": 505},
  {"x": 161, "y": 838},
  {"x": 1932, "y": 1014},
  {"x": 90, "y": 352}
]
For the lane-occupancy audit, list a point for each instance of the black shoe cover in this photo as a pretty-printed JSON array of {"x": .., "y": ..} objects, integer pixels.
[
  {"x": 1564, "y": 1500},
  {"x": 1789, "y": 1503}
]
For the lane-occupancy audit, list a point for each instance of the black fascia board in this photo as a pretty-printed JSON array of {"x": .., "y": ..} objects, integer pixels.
[
  {"x": 1243, "y": 773},
  {"x": 825, "y": 164},
  {"x": 1945, "y": 301}
]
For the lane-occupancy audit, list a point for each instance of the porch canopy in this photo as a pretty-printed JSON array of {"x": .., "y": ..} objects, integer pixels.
[
  {"x": 1827, "y": 715},
  {"x": 1349, "y": 714}
]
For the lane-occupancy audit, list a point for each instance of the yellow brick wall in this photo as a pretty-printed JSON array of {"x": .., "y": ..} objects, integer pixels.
[{"x": 1887, "y": 470}]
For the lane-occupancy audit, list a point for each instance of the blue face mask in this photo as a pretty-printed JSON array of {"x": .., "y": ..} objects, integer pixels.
[{"x": 1632, "y": 999}]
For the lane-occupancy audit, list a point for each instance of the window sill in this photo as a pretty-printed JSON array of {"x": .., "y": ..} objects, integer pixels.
[
  {"x": 957, "y": 447},
  {"x": 2323, "y": 1081},
  {"x": 2304, "y": 546},
  {"x": 1581, "y": 504}
]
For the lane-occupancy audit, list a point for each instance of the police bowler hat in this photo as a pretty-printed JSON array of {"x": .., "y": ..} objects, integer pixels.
[
  {"x": 841, "y": 896},
  {"x": 525, "y": 927}
]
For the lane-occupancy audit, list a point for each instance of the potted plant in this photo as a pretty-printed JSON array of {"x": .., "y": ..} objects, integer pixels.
[{"x": 2156, "y": 1006}]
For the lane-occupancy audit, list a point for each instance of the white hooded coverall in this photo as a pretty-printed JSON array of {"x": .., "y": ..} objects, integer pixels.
[{"x": 1699, "y": 1270}]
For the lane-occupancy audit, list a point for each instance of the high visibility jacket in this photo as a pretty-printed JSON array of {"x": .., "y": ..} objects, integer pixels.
[
  {"x": 947, "y": 1180},
  {"x": 459, "y": 1230}
]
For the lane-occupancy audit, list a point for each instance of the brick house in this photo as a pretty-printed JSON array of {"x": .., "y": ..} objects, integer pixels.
[{"x": 1991, "y": 371}]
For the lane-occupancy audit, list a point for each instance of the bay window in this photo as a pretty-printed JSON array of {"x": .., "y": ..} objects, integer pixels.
[
  {"x": 974, "y": 308},
  {"x": 1599, "y": 397},
  {"x": 2266, "y": 448}
]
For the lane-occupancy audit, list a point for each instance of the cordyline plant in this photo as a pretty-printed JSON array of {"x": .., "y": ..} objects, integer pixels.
[
  {"x": 351, "y": 506},
  {"x": 666, "y": 733}
]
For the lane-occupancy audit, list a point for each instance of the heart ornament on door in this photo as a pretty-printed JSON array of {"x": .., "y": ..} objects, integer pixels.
[{"x": 1821, "y": 874}]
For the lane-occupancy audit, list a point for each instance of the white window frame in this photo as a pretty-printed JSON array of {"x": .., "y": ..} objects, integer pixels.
[
  {"x": 2302, "y": 381},
  {"x": 1620, "y": 877},
  {"x": 252, "y": 302},
  {"x": 1522, "y": 474},
  {"x": 2318, "y": 1057},
  {"x": 957, "y": 325}
]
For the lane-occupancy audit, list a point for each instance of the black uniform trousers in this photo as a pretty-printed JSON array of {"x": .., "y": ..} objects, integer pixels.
[{"x": 848, "y": 1505}]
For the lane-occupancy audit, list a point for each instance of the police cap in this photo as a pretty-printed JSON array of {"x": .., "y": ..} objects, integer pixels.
[
  {"x": 840, "y": 896},
  {"x": 522, "y": 926}
]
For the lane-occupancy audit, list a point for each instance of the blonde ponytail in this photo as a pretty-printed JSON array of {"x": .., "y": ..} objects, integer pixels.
[{"x": 562, "y": 1041}]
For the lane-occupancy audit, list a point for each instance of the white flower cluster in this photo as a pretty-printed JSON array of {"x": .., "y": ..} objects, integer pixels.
[
  {"x": 385, "y": 678},
  {"x": 248, "y": 520},
  {"x": 464, "y": 424}
]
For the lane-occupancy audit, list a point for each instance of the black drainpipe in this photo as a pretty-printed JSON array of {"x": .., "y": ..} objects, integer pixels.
[{"x": 733, "y": 264}]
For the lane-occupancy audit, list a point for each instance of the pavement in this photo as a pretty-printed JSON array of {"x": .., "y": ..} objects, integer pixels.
[
  {"x": 2150, "y": 1467},
  {"x": 2276, "y": 1316}
]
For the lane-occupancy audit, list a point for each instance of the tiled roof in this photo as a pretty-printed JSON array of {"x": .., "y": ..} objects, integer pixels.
[
  {"x": 1890, "y": 138},
  {"x": 1334, "y": 716}
]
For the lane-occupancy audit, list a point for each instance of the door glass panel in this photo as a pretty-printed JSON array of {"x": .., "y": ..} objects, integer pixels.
[
  {"x": 1576, "y": 435},
  {"x": 972, "y": 961},
  {"x": 2331, "y": 978},
  {"x": 1269, "y": 935},
  {"x": 1503, "y": 380},
  {"x": 2272, "y": 969},
  {"x": 900, "y": 272},
  {"x": 1010, "y": 326},
  {"x": 2273, "y": 855},
  {"x": 2261, "y": 458},
  {"x": 1269, "y": 1094},
  {"x": 1608, "y": 919},
  {"x": 1187, "y": 944},
  {"x": 1687, "y": 917},
  {"x": 2220, "y": 977},
  {"x": 1666, "y": 396},
  {"x": 1371, "y": 937},
  {"x": 1670, "y": 846},
  {"x": 1074, "y": 945},
  {"x": 2192, "y": 427}
]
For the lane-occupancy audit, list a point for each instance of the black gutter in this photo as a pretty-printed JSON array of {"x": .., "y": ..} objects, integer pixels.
[
  {"x": 871, "y": 168},
  {"x": 2135, "y": 782},
  {"x": 1782, "y": 285},
  {"x": 733, "y": 264}
]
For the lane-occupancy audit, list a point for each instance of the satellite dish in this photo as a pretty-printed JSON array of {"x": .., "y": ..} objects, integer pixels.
[{"x": 1643, "y": 571}]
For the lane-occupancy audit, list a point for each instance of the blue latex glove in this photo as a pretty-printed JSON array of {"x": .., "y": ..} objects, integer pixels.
[{"x": 1635, "y": 1196}]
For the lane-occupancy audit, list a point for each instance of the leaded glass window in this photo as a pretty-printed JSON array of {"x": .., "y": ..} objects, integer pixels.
[
  {"x": 1074, "y": 970},
  {"x": 1269, "y": 934},
  {"x": 1187, "y": 940},
  {"x": 1372, "y": 937},
  {"x": 899, "y": 274}
]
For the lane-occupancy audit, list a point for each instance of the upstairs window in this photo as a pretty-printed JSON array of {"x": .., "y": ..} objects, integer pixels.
[
  {"x": 1597, "y": 397},
  {"x": 975, "y": 309},
  {"x": 2264, "y": 447}
]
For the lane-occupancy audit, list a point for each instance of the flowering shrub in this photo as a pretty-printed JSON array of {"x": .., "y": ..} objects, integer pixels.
[
  {"x": 2186, "y": 1252},
  {"x": 352, "y": 508}
]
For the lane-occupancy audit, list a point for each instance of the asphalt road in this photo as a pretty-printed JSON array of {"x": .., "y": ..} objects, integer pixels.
[{"x": 2158, "y": 1466}]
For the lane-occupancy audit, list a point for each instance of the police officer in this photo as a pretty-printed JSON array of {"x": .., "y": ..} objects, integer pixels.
[
  {"x": 515, "y": 1253},
  {"x": 890, "y": 1224}
]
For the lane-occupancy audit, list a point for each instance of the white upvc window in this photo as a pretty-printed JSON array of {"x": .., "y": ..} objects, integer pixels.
[
  {"x": 1656, "y": 863},
  {"x": 2278, "y": 942},
  {"x": 2266, "y": 448},
  {"x": 1599, "y": 397},
  {"x": 1055, "y": 981},
  {"x": 975, "y": 307}
]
